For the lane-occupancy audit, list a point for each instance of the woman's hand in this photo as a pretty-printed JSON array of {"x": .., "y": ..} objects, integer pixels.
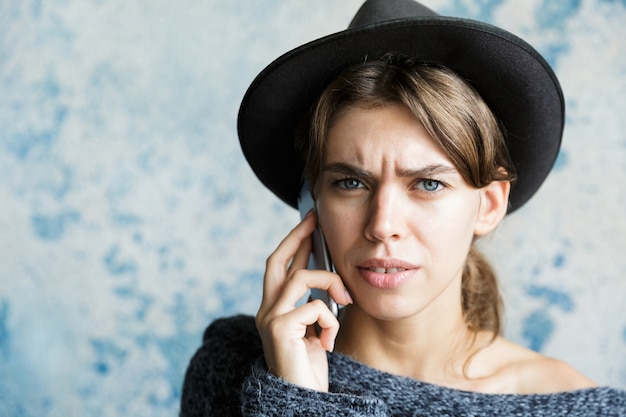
[{"x": 293, "y": 350}]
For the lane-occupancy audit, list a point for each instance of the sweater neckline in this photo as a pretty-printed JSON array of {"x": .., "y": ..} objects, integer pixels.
[{"x": 343, "y": 369}]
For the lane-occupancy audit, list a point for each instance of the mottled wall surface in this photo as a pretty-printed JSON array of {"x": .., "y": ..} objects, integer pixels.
[{"x": 129, "y": 219}]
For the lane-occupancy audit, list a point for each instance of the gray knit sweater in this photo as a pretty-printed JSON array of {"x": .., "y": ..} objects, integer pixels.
[{"x": 227, "y": 377}]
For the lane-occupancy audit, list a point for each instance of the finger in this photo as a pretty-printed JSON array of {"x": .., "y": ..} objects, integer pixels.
[
  {"x": 338, "y": 291},
  {"x": 331, "y": 283},
  {"x": 304, "y": 280},
  {"x": 297, "y": 287},
  {"x": 329, "y": 327},
  {"x": 304, "y": 319},
  {"x": 294, "y": 352},
  {"x": 278, "y": 262},
  {"x": 301, "y": 258}
]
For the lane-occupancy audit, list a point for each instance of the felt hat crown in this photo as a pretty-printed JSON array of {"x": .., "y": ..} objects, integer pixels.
[{"x": 510, "y": 75}]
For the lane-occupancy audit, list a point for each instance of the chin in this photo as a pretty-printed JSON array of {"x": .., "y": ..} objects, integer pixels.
[{"x": 389, "y": 308}]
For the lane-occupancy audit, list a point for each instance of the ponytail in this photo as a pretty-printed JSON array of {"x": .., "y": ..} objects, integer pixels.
[{"x": 480, "y": 295}]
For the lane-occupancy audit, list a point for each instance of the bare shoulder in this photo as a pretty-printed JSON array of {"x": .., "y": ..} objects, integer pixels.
[
  {"x": 547, "y": 375},
  {"x": 523, "y": 371}
]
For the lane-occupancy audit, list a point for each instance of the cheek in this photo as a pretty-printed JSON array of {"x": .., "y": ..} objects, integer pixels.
[
  {"x": 335, "y": 224},
  {"x": 453, "y": 227},
  {"x": 340, "y": 225}
]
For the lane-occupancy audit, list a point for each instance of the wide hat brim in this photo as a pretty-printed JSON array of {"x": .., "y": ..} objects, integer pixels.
[{"x": 514, "y": 80}]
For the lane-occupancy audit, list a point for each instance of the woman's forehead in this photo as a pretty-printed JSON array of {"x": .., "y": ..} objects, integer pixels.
[{"x": 366, "y": 136}]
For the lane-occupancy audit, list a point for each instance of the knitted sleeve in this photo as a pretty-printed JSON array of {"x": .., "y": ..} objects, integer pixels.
[
  {"x": 267, "y": 395},
  {"x": 212, "y": 385},
  {"x": 227, "y": 377}
]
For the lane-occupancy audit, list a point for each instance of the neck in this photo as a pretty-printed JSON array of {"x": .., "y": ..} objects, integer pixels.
[{"x": 432, "y": 346}]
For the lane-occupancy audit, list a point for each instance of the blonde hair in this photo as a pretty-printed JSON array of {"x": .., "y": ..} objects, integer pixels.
[{"x": 457, "y": 119}]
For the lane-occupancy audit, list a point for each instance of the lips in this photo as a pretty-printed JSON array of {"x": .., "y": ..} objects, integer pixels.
[
  {"x": 386, "y": 270},
  {"x": 386, "y": 273}
]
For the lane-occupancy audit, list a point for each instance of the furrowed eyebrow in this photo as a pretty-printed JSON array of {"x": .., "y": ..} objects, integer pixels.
[
  {"x": 428, "y": 171},
  {"x": 346, "y": 169},
  {"x": 424, "y": 172}
]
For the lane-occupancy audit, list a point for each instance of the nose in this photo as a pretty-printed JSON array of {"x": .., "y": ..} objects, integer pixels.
[{"x": 385, "y": 216}]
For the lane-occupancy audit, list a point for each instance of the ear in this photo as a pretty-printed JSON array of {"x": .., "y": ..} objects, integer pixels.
[{"x": 494, "y": 201}]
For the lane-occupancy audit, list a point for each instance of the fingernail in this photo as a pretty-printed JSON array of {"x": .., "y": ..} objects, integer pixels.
[
  {"x": 309, "y": 213},
  {"x": 332, "y": 347},
  {"x": 349, "y": 298}
]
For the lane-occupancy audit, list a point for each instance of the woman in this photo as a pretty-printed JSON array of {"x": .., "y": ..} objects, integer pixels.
[{"x": 430, "y": 132}]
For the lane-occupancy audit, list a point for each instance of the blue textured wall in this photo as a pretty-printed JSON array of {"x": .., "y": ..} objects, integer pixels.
[{"x": 129, "y": 219}]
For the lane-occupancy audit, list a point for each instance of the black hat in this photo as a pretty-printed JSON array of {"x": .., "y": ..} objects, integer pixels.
[{"x": 517, "y": 84}]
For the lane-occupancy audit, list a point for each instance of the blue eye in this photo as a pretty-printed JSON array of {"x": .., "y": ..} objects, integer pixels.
[
  {"x": 430, "y": 185},
  {"x": 349, "y": 183}
]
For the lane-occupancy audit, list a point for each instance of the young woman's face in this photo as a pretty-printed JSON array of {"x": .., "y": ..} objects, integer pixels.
[{"x": 397, "y": 215}]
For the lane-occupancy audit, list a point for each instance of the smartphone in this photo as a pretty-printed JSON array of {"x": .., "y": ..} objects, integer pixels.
[{"x": 319, "y": 258}]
